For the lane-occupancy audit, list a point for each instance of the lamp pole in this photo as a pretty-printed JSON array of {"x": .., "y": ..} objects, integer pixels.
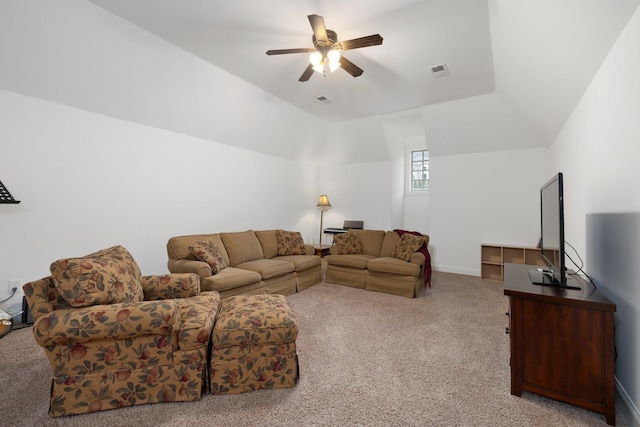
[
  {"x": 323, "y": 204},
  {"x": 321, "y": 214}
]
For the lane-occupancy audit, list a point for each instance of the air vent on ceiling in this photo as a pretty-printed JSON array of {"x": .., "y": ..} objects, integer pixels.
[
  {"x": 440, "y": 70},
  {"x": 323, "y": 99}
]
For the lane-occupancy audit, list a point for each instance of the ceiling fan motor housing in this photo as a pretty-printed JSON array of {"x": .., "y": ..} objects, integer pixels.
[{"x": 324, "y": 45}]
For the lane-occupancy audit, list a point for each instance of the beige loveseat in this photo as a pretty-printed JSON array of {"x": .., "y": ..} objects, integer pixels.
[
  {"x": 379, "y": 260},
  {"x": 248, "y": 262}
]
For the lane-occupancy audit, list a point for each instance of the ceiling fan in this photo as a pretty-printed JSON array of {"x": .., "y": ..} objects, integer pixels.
[{"x": 327, "y": 50}]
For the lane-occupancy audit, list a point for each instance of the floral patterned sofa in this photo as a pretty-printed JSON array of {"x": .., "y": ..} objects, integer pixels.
[
  {"x": 247, "y": 262},
  {"x": 395, "y": 262},
  {"x": 116, "y": 338}
]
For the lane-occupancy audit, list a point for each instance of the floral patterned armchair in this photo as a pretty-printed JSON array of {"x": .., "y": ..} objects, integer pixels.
[{"x": 116, "y": 338}]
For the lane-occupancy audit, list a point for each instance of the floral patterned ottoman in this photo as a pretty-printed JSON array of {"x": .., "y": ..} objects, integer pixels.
[{"x": 254, "y": 345}]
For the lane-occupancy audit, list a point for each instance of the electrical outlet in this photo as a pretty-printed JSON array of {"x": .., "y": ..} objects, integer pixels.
[{"x": 15, "y": 283}]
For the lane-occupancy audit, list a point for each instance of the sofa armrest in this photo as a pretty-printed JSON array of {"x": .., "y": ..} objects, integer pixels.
[
  {"x": 200, "y": 268},
  {"x": 107, "y": 322},
  {"x": 170, "y": 286},
  {"x": 333, "y": 250},
  {"x": 417, "y": 258},
  {"x": 309, "y": 250}
]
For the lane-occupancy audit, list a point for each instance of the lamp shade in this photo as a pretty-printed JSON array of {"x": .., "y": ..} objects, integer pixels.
[{"x": 323, "y": 202}]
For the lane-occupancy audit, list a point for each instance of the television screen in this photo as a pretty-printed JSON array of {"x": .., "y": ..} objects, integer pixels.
[
  {"x": 552, "y": 233},
  {"x": 552, "y": 227}
]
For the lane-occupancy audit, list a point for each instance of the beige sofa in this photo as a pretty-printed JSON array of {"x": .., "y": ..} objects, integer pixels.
[
  {"x": 252, "y": 263},
  {"x": 374, "y": 264}
]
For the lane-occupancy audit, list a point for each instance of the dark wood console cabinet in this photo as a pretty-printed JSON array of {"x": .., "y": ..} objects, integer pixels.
[{"x": 562, "y": 342}]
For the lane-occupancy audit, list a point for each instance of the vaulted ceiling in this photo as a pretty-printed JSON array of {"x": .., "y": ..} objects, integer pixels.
[{"x": 538, "y": 55}]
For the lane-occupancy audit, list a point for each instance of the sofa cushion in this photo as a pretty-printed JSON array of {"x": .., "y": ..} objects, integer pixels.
[
  {"x": 254, "y": 320},
  {"x": 207, "y": 251},
  {"x": 268, "y": 268},
  {"x": 269, "y": 242},
  {"x": 407, "y": 246},
  {"x": 352, "y": 260},
  {"x": 391, "y": 240},
  {"x": 230, "y": 278},
  {"x": 348, "y": 243},
  {"x": 371, "y": 241},
  {"x": 242, "y": 247},
  {"x": 302, "y": 262},
  {"x": 104, "y": 277},
  {"x": 290, "y": 243},
  {"x": 393, "y": 266}
]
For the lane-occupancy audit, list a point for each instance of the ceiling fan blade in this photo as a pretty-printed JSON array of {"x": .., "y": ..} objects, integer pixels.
[
  {"x": 307, "y": 74},
  {"x": 350, "y": 67},
  {"x": 319, "y": 30},
  {"x": 372, "y": 40},
  {"x": 284, "y": 51}
]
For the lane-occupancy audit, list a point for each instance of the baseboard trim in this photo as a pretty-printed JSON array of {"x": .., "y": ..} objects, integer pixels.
[
  {"x": 628, "y": 409},
  {"x": 456, "y": 270}
]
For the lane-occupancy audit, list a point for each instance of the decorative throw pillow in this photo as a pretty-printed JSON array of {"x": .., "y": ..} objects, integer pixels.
[
  {"x": 348, "y": 243},
  {"x": 105, "y": 277},
  {"x": 208, "y": 252},
  {"x": 290, "y": 243},
  {"x": 407, "y": 246}
]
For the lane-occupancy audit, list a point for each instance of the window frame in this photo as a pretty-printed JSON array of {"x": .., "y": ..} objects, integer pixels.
[{"x": 409, "y": 170}]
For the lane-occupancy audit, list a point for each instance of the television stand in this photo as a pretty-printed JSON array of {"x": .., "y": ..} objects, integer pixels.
[
  {"x": 542, "y": 277},
  {"x": 562, "y": 342}
]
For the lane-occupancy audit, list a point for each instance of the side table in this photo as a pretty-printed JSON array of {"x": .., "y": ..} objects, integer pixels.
[{"x": 322, "y": 250}]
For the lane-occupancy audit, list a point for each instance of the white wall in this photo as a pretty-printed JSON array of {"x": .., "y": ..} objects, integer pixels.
[
  {"x": 483, "y": 198},
  {"x": 110, "y": 135},
  {"x": 359, "y": 191},
  {"x": 364, "y": 169},
  {"x": 598, "y": 150},
  {"x": 395, "y": 146},
  {"x": 76, "y": 53},
  {"x": 88, "y": 181}
]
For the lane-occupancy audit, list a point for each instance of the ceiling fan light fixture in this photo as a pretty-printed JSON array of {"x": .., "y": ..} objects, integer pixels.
[
  {"x": 315, "y": 58},
  {"x": 317, "y": 61},
  {"x": 334, "y": 59}
]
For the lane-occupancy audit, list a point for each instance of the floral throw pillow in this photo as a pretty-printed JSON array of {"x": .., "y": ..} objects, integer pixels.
[
  {"x": 348, "y": 243},
  {"x": 104, "y": 277},
  {"x": 290, "y": 243},
  {"x": 208, "y": 252},
  {"x": 407, "y": 246}
]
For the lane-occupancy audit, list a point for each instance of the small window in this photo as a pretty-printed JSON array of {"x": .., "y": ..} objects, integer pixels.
[{"x": 420, "y": 170}]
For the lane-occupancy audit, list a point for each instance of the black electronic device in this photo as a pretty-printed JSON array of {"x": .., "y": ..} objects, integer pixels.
[{"x": 552, "y": 241}]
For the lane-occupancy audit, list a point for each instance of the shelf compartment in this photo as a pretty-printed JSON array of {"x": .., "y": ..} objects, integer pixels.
[
  {"x": 492, "y": 272},
  {"x": 492, "y": 254},
  {"x": 495, "y": 256},
  {"x": 513, "y": 255}
]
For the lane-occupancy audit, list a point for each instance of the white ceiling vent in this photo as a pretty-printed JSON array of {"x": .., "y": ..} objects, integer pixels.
[
  {"x": 440, "y": 70},
  {"x": 324, "y": 99}
]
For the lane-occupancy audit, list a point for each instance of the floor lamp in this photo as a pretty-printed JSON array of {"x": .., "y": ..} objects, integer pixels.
[{"x": 323, "y": 205}]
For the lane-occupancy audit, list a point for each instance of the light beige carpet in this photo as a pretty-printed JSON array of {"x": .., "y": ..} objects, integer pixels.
[{"x": 366, "y": 359}]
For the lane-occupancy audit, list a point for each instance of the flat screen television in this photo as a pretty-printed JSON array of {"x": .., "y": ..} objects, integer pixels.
[{"x": 552, "y": 233}]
